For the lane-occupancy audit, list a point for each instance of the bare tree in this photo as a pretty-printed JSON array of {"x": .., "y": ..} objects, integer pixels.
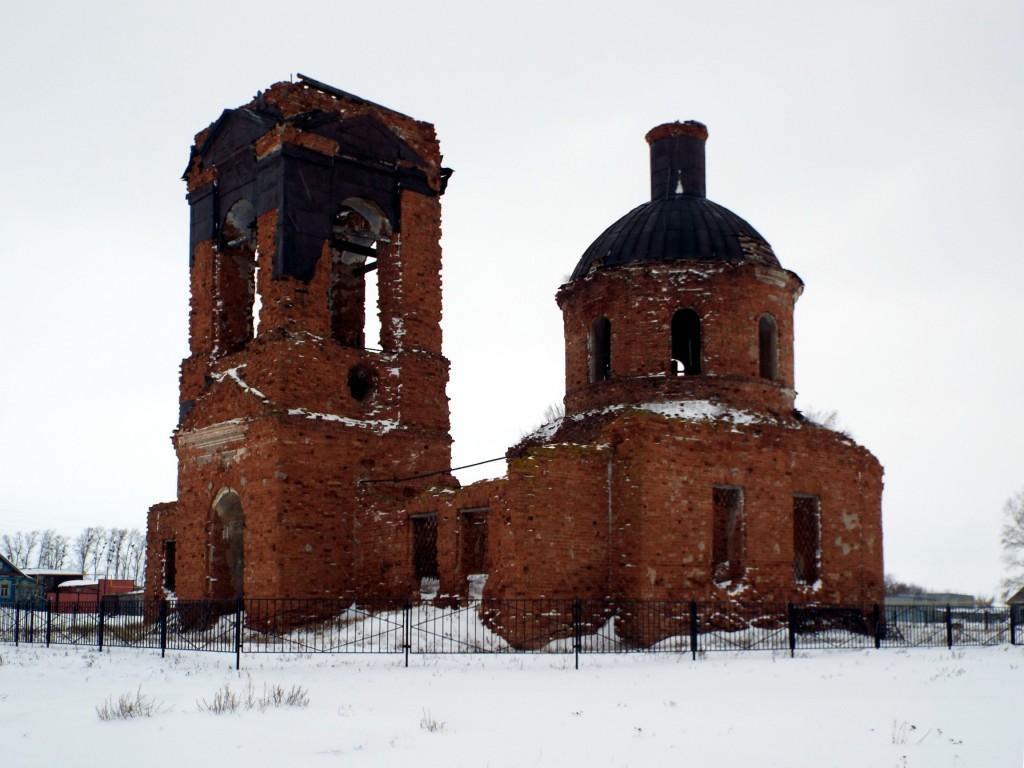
[
  {"x": 1012, "y": 540},
  {"x": 35, "y": 549},
  {"x": 90, "y": 547},
  {"x": 135, "y": 555},
  {"x": 117, "y": 553},
  {"x": 31, "y": 543},
  {"x": 14, "y": 548},
  {"x": 57, "y": 552},
  {"x": 45, "y": 543},
  {"x": 99, "y": 558},
  {"x": 114, "y": 554},
  {"x": 53, "y": 549},
  {"x": 83, "y": 549},
  {"x": 828, "y": 420},
  {"x": 61, "y": 551},
  {"x": 554, "y": 411}
]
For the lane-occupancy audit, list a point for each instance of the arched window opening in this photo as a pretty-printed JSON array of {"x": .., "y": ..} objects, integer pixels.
[
  {"x": 768, "y": 346},
  {"x": 227, "y": 547},
  {"x": 235, "y": 278},
  {"x": 358, "y": 233},
  {"x": 685, "y": 343},
  {"x": 239, "y": 226},
  {"x": 371, "y": 319},
  {"x": 600, "y": 350}
]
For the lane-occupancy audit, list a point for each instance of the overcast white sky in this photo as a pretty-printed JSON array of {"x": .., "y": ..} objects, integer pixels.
[{"x": 876, "y": 145}]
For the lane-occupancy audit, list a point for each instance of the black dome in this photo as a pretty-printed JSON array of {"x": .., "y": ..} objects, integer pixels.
[
  {"x": 679, "y": 223},
  {"x": 679, "y": 228}
]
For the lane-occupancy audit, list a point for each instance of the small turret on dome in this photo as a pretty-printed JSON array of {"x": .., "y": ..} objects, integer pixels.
[
  {"x": 677, "y": 159},
  {"x": 679, "y": 223}
]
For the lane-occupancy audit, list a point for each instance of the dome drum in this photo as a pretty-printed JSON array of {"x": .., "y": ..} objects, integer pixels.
[{"x": 718, "y": 354}]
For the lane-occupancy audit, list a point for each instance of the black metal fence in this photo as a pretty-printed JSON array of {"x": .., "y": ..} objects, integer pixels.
[{"x": 503, "y": 626}]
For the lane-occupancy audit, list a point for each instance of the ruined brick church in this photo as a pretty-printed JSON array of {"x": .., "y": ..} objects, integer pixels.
[{"x": 310, "y": 465}]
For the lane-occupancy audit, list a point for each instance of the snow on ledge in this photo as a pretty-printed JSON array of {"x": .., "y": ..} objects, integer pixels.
[
  {"x": 78, "y": 583},
  {"x": 381, "y": 426},
  {"x": 683, "y": 410},
  {"x": 702, "y": 410},
  {"x": 233, "y": 374}
]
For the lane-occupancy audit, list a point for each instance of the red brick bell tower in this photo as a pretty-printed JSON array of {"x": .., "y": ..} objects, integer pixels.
[{"x": 313, "y": 213}]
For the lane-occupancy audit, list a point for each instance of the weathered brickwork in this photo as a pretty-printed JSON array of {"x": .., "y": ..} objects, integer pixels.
[
  {"x": 618, "y": 498},
  {"x": 311, "y": 465},
  {"x": 290, "y": 424},
  {"x": 730, "y": 298}
]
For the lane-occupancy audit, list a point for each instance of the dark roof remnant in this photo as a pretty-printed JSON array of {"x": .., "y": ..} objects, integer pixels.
[
  {"x": 309, "y": 82},
  {"x": 302, "y": 149},
  {"x": 679, "y": 223}
]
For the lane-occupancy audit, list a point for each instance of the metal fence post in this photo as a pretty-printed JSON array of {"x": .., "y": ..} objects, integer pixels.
[
  {"x": 876, "y": 618},
  {"x": 406, "y": 630},
  {"x": 238, "y": 633},
  {"x": 48, "y": 620},
  {"x": 99, "y": 625},
  {"x": 949, "y": 626},
  {"x": 693, "y": 629},
  {"x": 1013, "y": 625},
  {"x": 163, "y": 628},
  {"x": 17, "y": 625},
  {"x": 791, "y": 612},
  {"x": 577, "y": 629}
]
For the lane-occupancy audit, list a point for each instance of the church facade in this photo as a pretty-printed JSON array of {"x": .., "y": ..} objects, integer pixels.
[{"x": 310, "y": 465}]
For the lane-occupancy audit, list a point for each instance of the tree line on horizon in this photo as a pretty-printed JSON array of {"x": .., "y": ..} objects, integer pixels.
[{"x": 110, "y": 553}]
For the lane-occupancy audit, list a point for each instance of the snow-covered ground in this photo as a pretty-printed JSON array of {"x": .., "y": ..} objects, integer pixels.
[{"x": 920, "y": 707}]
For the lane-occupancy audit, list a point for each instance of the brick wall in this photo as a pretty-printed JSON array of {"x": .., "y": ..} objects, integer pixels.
[
  {"x": 640, "y": 302},
  {"x": 630, "y": 514},
  {"x": 325, "y": 464},
  {"x": 309, "y": 433}
]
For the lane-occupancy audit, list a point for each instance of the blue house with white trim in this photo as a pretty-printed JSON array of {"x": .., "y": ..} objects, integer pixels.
[{"x": 15, "y": 586}]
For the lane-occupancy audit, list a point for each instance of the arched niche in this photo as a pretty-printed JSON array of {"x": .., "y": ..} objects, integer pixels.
[
  {"x": 235, "y": 284},
  {"x": 600, "y": 349},
  {"x": 768, "y": 347},
  {"x": 686, "y": 343},
  {"x": 359, "y": 232},
  {"x": 227, "y": 547}
]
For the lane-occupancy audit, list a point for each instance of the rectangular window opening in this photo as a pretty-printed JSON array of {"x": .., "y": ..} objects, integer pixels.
[
  {"x": 727, "y": 534},
  {"x": 170, "y": 569},
  {"x": 806, "y": 539},
  {"x": 424, "y": 547},
  {"x": 473, "y": 562},
  {"x": 473, "y": 529}
]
